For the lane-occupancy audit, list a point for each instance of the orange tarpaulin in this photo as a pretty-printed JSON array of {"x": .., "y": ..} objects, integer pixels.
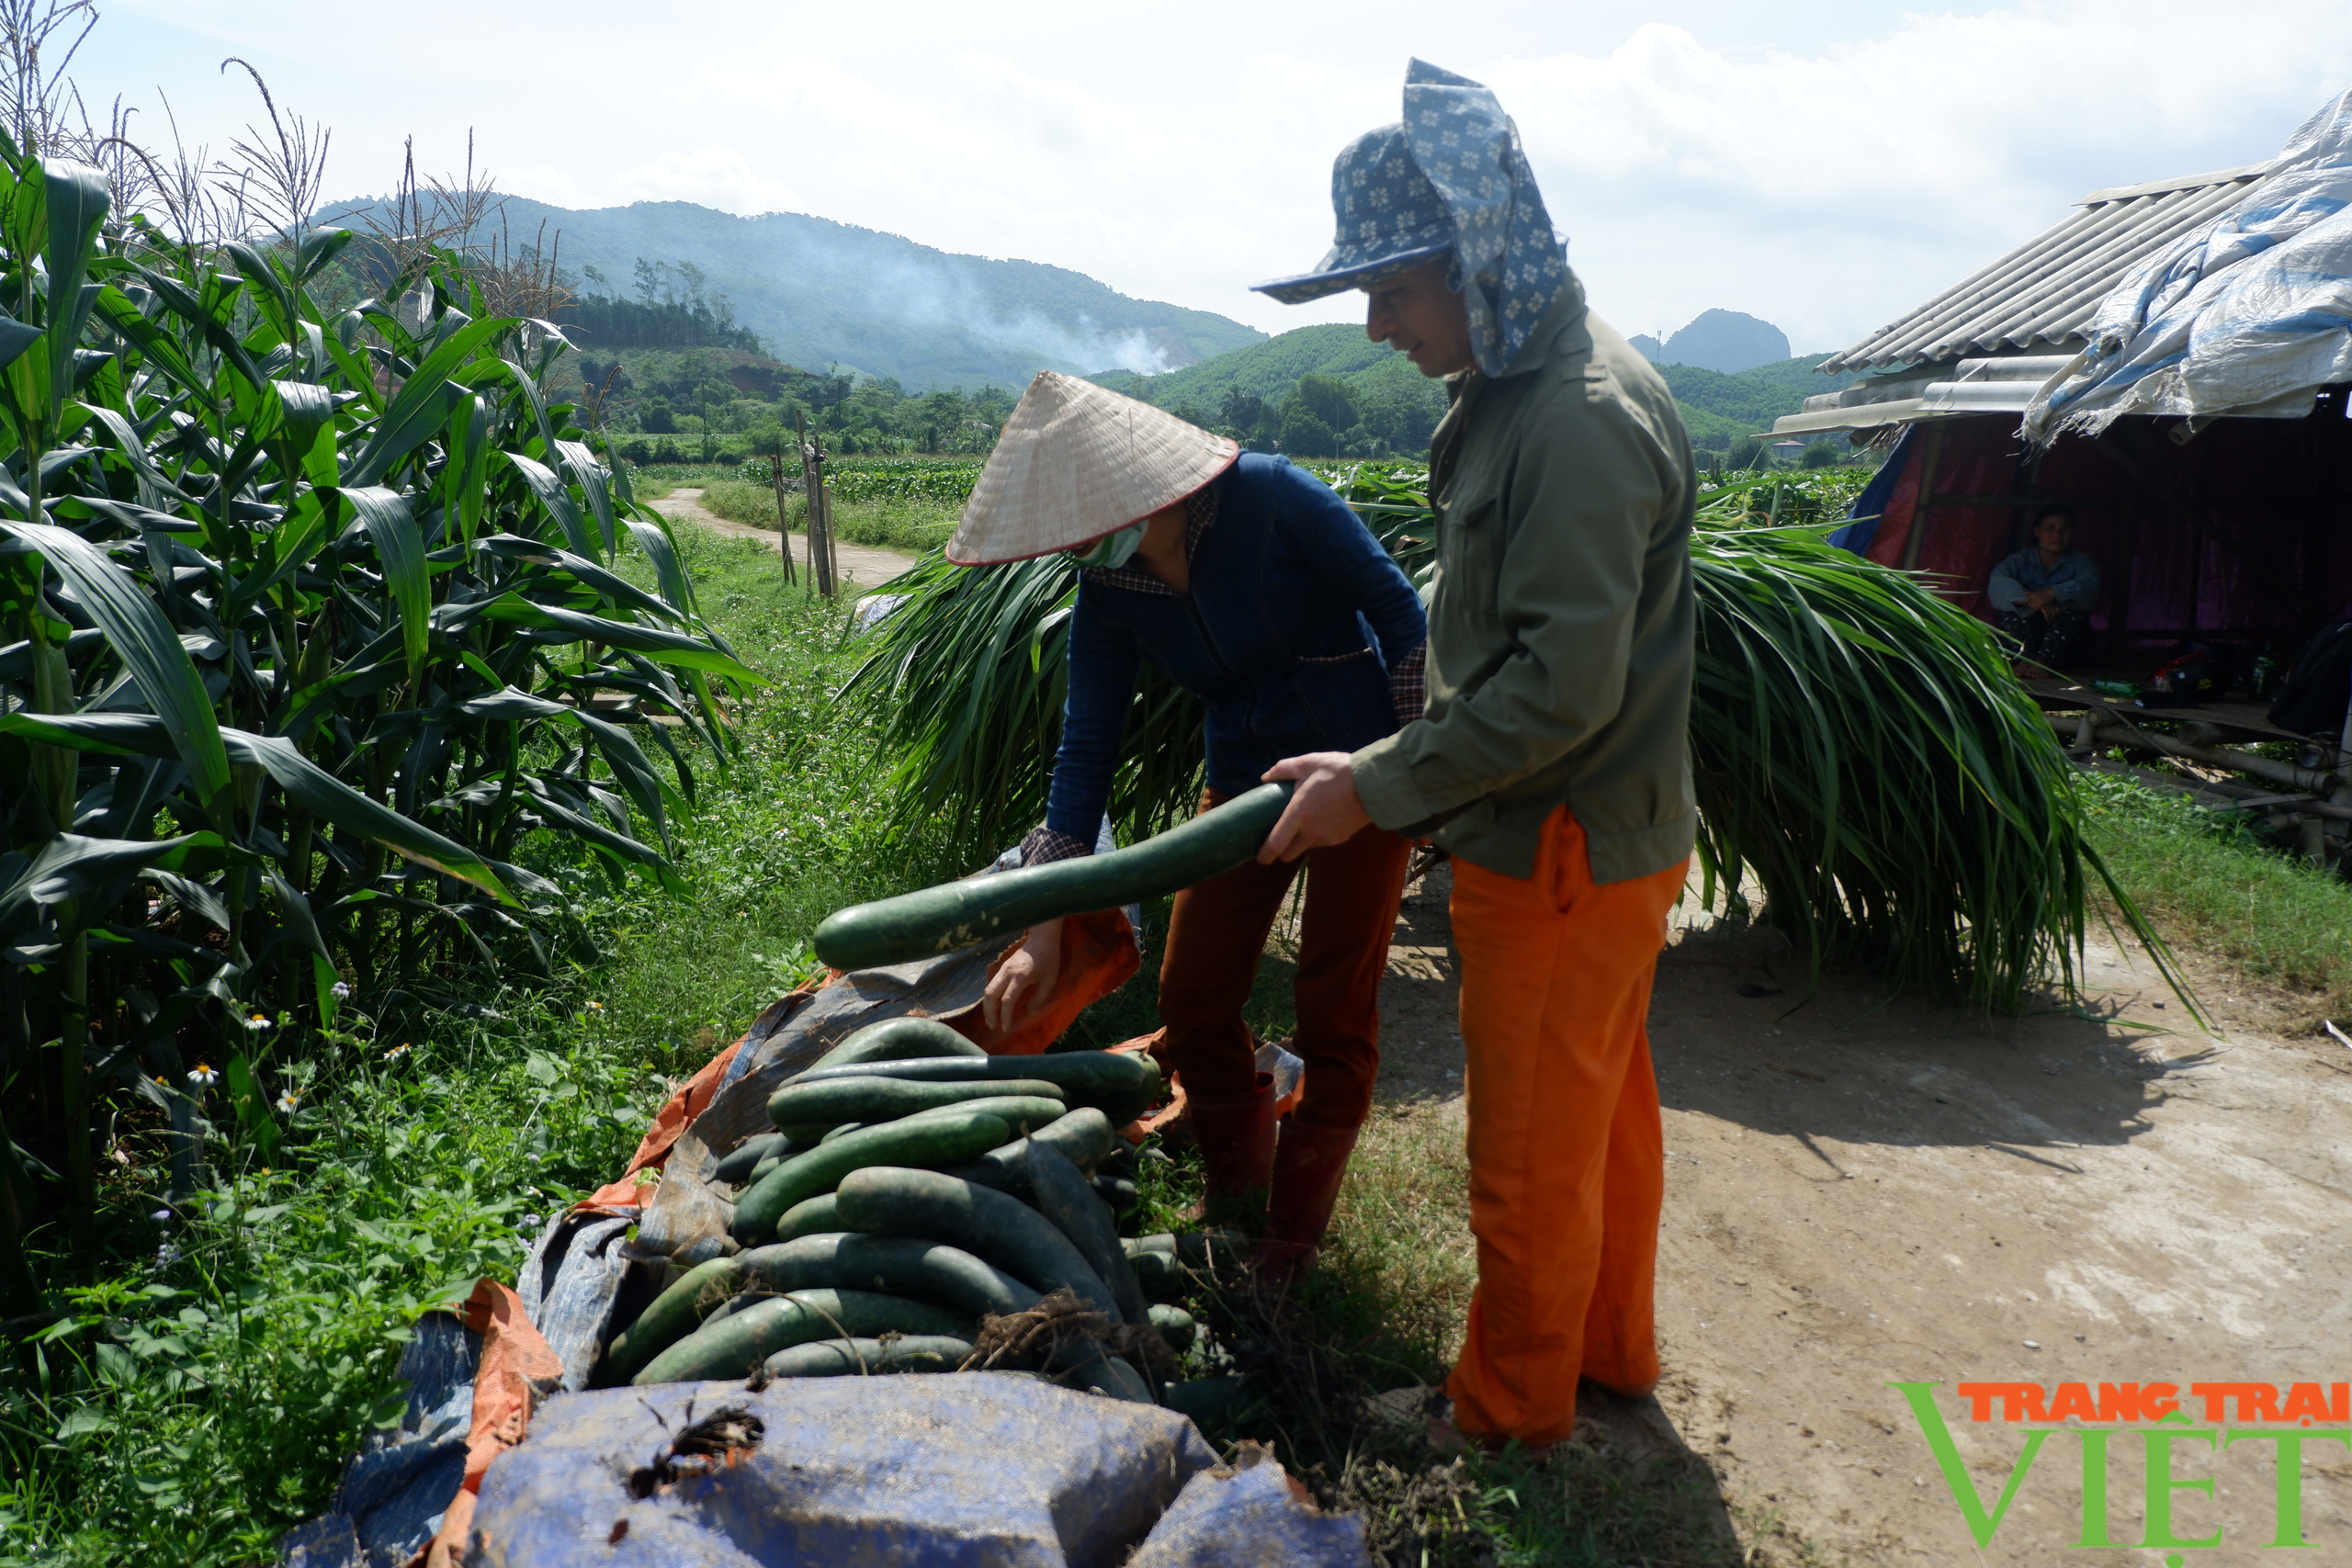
[{"x": 517, "y": 1366}]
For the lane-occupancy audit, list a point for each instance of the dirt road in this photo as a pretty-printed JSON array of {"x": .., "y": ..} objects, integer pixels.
[
  {"x": 863, "y": 566},
  {"x": 1863, "y": 1191}
]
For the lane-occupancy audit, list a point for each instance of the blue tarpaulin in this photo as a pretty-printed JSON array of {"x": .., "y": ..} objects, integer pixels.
[
  {"x": 964, "y": 1470},
  {"x": 1871, "y": 505}
]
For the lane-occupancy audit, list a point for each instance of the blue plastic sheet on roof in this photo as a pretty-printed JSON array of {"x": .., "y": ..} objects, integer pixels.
[{"x": 2248, "y": 314}]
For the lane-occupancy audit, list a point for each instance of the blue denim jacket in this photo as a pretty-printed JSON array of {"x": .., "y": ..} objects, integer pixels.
[{"x": 1294, "y": 618}]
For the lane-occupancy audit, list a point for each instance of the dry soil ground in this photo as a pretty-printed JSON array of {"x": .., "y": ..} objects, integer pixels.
[
  {"x": 1864, "y": 1191},
  {"x": 864, "y": 566}
]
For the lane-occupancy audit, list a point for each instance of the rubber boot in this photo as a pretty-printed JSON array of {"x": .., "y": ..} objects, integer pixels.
[
  {"x": 1236, "y": 1134},
  {"x": 1310, "y": 1162}
]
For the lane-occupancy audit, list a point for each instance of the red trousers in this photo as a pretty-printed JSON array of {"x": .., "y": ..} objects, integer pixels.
[
  {"x": 1567, "y": 1164},
  {"x": 1214, "y": 938}
]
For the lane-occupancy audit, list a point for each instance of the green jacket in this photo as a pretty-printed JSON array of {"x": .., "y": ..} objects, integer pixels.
[{"x": 1560, "y": 620}]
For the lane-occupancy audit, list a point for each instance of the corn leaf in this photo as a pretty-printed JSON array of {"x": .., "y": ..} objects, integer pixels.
[
  {"x": 145, "y": 643},
  {"x": 398, "y": 545},
  {"x": 76, "y": 202},
  {"x": 323, "y": 795}
]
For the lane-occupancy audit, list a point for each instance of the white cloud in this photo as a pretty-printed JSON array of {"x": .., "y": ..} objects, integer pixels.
[
  {"x": 1824, "y": 165},
  {"x": 1831, "y": 191}
]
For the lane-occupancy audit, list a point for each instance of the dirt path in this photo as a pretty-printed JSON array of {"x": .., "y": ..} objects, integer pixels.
[
  {"x": 1862, "y": 1191},
  {"x": 863, "y": 566}
]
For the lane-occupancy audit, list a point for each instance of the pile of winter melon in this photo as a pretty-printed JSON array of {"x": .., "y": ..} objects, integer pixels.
[{"x": 915, "y": 1185}]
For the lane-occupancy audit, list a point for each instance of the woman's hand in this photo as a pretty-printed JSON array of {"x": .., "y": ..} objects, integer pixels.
[{"x": 1026, "y": 978}]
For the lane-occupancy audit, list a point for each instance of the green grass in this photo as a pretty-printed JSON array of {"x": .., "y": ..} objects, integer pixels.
[
  {"x": 2210, "y": 882},
  {"x": 202, "y": 1399}
]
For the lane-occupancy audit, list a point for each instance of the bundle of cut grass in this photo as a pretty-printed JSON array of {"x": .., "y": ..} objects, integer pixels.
[{"x": 1862, "y": 753}]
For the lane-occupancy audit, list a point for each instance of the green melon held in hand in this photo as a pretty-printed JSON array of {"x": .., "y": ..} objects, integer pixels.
[{"x": 957, "y": 914}]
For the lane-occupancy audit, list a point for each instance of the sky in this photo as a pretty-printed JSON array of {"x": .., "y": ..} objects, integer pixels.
[{"x": 1824, "y": 165}]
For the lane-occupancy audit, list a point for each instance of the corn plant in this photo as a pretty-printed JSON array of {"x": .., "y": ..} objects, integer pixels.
[
  {"x": 314, "y": 635},
  {"x": 1861, "y": 754}
]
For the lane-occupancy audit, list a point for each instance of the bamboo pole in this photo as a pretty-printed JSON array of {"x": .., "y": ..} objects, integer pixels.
[
  {"x": 832, "y": 541},
  {"x": 2308, "y": 779}
]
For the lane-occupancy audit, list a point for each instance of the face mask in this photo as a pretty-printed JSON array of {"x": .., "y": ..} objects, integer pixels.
[{"x": 1112, "y": 550}]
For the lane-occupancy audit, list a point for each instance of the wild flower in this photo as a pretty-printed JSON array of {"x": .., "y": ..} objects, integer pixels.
[
  {"x": 340, "y": 990},
  {"x": 162, "y": 1217},
  {"x": 395, "y": 1053},
  {"x": 287, "y": 1101},
  {"x": 167, "y": 1255},
  {"x": 258, "y": 1023},
  {"x": 205, "y": 1076}
]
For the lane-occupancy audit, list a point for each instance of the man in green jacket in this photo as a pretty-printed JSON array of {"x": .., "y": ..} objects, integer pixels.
[{"x": 1551, "y": 763}]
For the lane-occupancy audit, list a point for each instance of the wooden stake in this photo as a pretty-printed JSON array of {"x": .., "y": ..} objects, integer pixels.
[
  {"x": 783, "y": 517},
  {"x": 820, "y": 548}
]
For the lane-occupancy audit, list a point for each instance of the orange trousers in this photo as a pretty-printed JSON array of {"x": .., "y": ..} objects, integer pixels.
[{"x": 1568, "y": 1163}]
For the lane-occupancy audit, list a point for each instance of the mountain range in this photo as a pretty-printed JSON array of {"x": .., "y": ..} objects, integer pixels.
[{"x": 824, "y": 294}]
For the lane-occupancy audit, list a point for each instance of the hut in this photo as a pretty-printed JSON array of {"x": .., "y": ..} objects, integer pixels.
[{"x": 2171, "y": 361}]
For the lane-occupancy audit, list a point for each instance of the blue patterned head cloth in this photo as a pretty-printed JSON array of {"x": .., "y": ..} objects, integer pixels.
[{"x": 1451, "y": 177}]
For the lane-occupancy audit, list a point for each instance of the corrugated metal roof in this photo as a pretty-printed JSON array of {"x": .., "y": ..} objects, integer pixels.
[
  {"x": 2036, "y": 298},
  {"x": 2001, "y": 384}
]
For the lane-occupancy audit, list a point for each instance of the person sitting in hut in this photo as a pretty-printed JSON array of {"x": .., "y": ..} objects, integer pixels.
[
  {"x": 1251, "y": 584},
  {"x": 2043, "y": 594}
]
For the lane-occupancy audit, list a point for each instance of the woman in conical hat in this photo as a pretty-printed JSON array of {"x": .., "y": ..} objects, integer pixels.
[{"x": 1251, "y": 584}]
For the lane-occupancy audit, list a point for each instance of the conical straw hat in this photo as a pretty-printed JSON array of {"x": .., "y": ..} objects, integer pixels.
[{"x": 1078, "y": 461}]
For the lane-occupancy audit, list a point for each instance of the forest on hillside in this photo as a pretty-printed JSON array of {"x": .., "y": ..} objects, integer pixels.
[{"x": 670, "y": 374}]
